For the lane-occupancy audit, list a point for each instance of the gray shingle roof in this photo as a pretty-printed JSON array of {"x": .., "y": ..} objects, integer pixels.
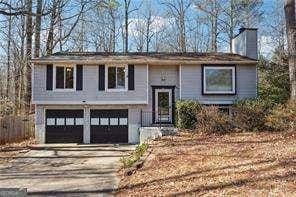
[{"x": 151, "y": 57}]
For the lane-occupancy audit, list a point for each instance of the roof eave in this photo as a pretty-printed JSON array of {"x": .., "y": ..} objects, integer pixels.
[{"x": 153, "y": 62}]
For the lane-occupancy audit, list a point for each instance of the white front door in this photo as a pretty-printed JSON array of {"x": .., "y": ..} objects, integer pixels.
[{"x": 163, "y": 105}]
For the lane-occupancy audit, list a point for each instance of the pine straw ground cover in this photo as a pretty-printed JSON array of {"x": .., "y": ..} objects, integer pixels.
[
  {"x": 241, "y": 164},
  {"x": 13, "y": 149}
]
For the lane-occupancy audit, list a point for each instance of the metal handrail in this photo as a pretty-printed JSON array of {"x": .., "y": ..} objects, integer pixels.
[{"x": 148, "y": 120}]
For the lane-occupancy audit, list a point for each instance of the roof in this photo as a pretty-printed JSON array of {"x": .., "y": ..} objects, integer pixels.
[{"x": 144, "y": 58}]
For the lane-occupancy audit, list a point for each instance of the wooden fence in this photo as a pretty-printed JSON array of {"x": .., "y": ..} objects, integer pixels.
[{"x": 16, "y": 128}]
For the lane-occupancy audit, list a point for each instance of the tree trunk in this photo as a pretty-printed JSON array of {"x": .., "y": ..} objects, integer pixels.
[
  {"x": 28, "y": 53},
  {"x": 50, "y": 36},
  {"x": 38, "y": 28},
  {"x": 291, "y": 37},
  {"x": 8, "y": 77},
  {"x": 231, "y": 25},
  {"x": 126, "y": 7}
]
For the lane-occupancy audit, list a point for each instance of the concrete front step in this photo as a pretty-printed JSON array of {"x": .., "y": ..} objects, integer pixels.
[{"x": 147, "y": 133}]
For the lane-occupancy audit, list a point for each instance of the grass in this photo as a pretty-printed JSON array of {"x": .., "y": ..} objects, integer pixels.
[
  {"x": 128, "y": 161},
  {"x": 237, "y": 164}
]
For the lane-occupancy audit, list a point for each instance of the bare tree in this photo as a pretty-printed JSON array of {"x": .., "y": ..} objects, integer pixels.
[
  {"x": 38, "y": 28},
  {"x": 177, "y": 9},
  {"x": 8, "y": 77},
  {"x": 127, "y": 12},
  {"x": 56, "y": 19},
  {"x": 29, "y": 32},
  {"x": 290, "y": 14}
]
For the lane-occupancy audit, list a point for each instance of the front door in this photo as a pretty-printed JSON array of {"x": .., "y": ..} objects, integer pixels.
[{"x": 163, "y": 106}]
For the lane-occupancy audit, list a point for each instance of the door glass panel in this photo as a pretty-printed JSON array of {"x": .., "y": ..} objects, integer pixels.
[
  {"x": 69, "y": 121},
  {"x": 122, "y": 121},
  {"x": 95, "y": 121},
  {"x": 113, "y": 121},
  {"x": 79, "y": 121},
  {"x": 60, "y": 121},
  {"x": 50, "y": 121},
  {"x": 164, "y": 106},
  {"x": 104, "y": 121}
]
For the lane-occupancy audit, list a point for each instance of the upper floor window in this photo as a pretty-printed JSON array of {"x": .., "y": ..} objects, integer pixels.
[
  {"x": 219, "y": 79},
  {"x": 116, "y": 77},
  {"x": 64, "y": 77}
]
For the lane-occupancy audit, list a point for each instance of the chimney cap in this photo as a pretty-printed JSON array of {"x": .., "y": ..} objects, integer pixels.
[{"x": 242, "y": 29}]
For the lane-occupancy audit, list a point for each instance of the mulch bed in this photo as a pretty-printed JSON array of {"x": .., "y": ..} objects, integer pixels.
[{"x": 238, "y": 164}]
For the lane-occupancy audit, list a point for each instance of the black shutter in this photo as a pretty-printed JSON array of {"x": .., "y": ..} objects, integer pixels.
[
  {"x": 79, "y": 77},
  {"x": 101, "y": 77},
  {"x": 49, "y": 75},
  {"x": 131, "y": 77}
]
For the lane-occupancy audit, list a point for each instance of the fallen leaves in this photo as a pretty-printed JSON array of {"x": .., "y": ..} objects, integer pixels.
[
  {"x": 241, "y": 164},
  {"x": 8, "y": 151}
]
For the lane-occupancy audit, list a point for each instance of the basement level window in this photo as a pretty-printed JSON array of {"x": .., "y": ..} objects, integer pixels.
[{"x": 219, "y": 79}]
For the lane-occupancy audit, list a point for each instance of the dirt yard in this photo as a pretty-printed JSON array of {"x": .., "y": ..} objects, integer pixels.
[
  {"x": 14, "y": 149},
  {"x": 244, "y": 164}
]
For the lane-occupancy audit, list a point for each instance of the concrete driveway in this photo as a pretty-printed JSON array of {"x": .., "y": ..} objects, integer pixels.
[{"x": 65, "y": 170}]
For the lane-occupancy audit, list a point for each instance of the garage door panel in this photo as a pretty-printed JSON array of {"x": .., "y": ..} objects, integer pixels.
[
  {"x": 64, "y": 113},
  {"x": 99, "y": 134},
  {"x": 61, "y": 126},
  {"x": 109, "y": 126}
]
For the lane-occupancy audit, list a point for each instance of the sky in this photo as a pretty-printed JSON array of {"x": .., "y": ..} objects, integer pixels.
[{"x": 266, "y": 44}]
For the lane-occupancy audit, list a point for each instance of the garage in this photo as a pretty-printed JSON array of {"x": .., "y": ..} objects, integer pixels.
[
  {"x": 64, "y": 126},
  {"x": 109, "y": 126}
]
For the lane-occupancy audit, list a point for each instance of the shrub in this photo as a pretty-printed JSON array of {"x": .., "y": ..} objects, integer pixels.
[
  {"x": 186, "y": 113},
  {"x": 283, "y": 117},
  {"x": 250, "y": 115},
  {"x": 211, "y": 120},
  {"x": 135, "y": 156}
]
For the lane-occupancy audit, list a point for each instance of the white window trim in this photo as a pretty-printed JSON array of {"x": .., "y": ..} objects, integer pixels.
[
  {"x": 125, "y": 89},
  {"x": 232, "y": 68},
  {"x": 54, "y": 79}
]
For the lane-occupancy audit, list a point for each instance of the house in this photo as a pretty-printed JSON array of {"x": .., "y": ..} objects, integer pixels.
[{"x": 106, "y": 97}]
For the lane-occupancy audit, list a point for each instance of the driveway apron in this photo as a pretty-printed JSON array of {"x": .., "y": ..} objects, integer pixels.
[{"x": 65, "y": 170}]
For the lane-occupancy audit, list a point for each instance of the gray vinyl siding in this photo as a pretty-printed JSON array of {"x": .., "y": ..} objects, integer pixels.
[
  {"x": 171, "y": 76},
  {"x": 90, "y": 90},
  {"x": 191, "y": 84}
]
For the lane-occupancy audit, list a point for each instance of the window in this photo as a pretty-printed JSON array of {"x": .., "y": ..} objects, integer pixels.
[
  {"x": 219, "y": 80},
  {"x": 79, "y": 121},
  {"x": 50, "y": 121},
  {"x": 60, "y": 121},
  {"x": 116, "y": 77},
  {"x": 64, "y": 77}
]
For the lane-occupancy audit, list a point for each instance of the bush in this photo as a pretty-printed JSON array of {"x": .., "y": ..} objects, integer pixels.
[
  {"x": 250, "y": 115},
  {"x": 135, "y": 156},
  {"x": 211, "y": 120},
  {"x": 283, "y": 117},
  {"x": 186, "y": 113}
]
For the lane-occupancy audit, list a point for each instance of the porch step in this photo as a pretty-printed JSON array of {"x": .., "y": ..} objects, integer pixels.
[
  {"x": 147, "y": 133},
  {"x": 168, "y": 131},
  {"x": 162, "y": 125}
]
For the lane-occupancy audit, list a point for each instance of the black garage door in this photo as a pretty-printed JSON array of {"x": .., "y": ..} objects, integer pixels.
[
  {"x": 109, "y": 126},
  {"x": 64, "y": 126}
]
